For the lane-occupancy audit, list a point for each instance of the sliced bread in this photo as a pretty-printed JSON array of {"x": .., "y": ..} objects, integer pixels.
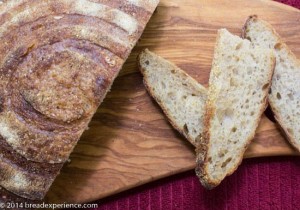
[
  {"x": 284, "y": 96},
  {"x": 238, "y": 86},
  {"x": 181, "y": 98}
]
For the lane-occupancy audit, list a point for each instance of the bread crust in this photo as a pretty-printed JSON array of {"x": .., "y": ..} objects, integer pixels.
[
  {"x": 273, "y": 106},
  {"x": 201, "y": 152},
  {"x": 58, "y": 60},
  {"x": 244, "y": 29}
]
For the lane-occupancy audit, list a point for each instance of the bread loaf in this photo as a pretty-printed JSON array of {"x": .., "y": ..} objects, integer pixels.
[{"x": 58, "y": 59}]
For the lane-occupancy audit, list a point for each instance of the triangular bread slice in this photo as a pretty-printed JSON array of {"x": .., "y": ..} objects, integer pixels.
[
  {"x": 181, "y": 98},
  {"x": 284, "y": 96},
  {"x": 238, "y": 86}
]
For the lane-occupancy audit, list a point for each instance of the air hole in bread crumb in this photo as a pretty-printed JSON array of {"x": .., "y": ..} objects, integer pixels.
[
  {"x": 184, "y": 97},
  {"x": 224, "y": 164},
  {"x": 290, "y": 131},
  {"x": 278, "y": 96},
  {"x": 199, "y": 138},
  {"x": 254, "y": 92},
  {"x": 163, "y": 85},
  {"x": 234, "y": 129},
  {"x": 270, "y": 91},
  {"x": 243, "y": 123},
  {"x": 147, "y": 62},
  {"x": 232, "y": 83},
  {"x": 277, "y": 46},
  {"x": 239, "y": 46},
  {"x": 173, "y": 71},
  {"x": 185, "y": 129},
  {"x": 221, "y": 153},
  {"x": 265, "y": 86},
  {"x": 171, "y": 94},
  {"x": 252, "y": 113},
  {"x": 291, "y": 96}
]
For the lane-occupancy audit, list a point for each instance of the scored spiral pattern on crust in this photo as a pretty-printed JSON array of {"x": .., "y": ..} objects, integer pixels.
[{"x": 58, "y": 59}]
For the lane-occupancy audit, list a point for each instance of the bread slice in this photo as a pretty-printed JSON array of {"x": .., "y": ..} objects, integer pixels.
[
  {"x": 180, "y": 96},
  {"x": 284, "y": 96},
  {"x": 238, "y": 86}
]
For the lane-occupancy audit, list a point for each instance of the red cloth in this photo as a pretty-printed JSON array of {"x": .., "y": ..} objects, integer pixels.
[
  {"x": 294, "y": 3},
  {"x": 261, "y": 183}
]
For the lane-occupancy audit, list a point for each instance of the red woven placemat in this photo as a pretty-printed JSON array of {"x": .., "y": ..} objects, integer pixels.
[
  {"x": 294, "y": 3},
  {"x": 262, "y": 183}
]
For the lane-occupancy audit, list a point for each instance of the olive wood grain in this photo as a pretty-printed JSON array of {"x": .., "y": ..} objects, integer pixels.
[{"x": 130, "y": 142}]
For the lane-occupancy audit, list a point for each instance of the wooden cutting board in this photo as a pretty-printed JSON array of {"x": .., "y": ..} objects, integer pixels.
[{"x": 130, "y": 142}]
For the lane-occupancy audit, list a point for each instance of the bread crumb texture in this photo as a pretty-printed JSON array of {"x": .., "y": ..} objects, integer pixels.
[
  {"x": 181, "y": 97},
  {"x": 284, "y": 96},
  {"x": 238, "y": 86}
]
